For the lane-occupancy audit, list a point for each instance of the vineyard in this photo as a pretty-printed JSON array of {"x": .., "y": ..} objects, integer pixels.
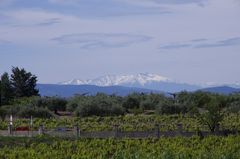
[
  {"x": 127, "y": 123},
  {"x": 163, "y": 148},
  {"x": 138, "y": 126}
]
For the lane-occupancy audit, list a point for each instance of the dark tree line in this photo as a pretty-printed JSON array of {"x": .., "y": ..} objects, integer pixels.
[{"x": 20, "y": 84}]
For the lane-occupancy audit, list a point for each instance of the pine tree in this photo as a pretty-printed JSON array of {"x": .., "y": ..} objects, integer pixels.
[
  {"x": 6, "y": 89},
  {"x": 23, "y": 83},
  {"x": 0, "y": 92}
]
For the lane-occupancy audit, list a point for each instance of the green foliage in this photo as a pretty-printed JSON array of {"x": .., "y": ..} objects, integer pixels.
[
  {"x": 147, "y": 105},
  {"x": 129, "y": 122},
  {"x": 27, "y": 112},
  {"x": 11, "y": 109},
  {"x": 54, "y": 104},
  {"x": 165, "y": 108},
  {"x": 164, "y": 148},
  {"x": 213, "y": 113},
  {"x": 23, "y": 83},
  {"x": 0, "y": 92},
  {"x": 132, "y": 101},
  {"x": 100, "y": 105},
  {"x": 3, "y": 113},
  {"x": 234, "y": 107},
  {"x": 6, "y": 89},
  {"x": 26, "y": 101}
]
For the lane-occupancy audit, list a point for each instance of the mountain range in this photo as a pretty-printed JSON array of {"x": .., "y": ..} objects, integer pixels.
[
  {"x": 125, "y": 84},
  {"x": 141, "y": 80},
  {"x": 71, "y": 90},
  {"x": 221, "y": 90}
]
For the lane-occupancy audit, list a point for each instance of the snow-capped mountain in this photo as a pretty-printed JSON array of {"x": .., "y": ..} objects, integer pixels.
[
  {"x": 126, "y": 84},
  {"x": 141, "y": 80},
  {"x": 117, "y": 80}
]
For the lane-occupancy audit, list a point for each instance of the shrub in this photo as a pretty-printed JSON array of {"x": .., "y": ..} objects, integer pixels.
[
  {"x": 11, "y": 109},
  {"x": 54, "y": 103},
  {"x": 164, "y": 108},
  {"x": 27, "y": 112},
  {"x": 131, "y": 103},
  {"x": 94, "y": 109},
  {"x": 234, "y": 107},
  {"x": 147, "y": 105}
]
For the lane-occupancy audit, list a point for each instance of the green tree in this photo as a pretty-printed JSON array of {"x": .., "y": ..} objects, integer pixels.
[
  {"x": 131, "y": 103},
  {"x": 56, "y": 104},
  {"x": 23, "y": 83},
  {"x": 6, "y": 89},
  {"x": 0, "y": 92},
  {"x": 212, "y": 113},
  {"x": 3, "y": 113}
]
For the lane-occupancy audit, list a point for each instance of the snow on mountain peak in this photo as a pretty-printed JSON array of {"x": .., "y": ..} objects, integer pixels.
[{"x": 111, "y": 80}]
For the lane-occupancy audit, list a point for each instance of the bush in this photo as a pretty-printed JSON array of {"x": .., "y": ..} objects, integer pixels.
[
  {"x": 147, "y": 105},
  {"x": 27, "y": 112},
  {"x": 94, "y": 109},
  {"x": 71, "y": 107},
  {"x": 87, "y": 109},
  {"x": 11, "y": 109},
  {"x": 171, "y": 109},
  {"x": 75, "y": 101},
  {"x": 131, "y": 103},
  {"x": 234, "y": 108},
  {"x": 52, "y": 103}
]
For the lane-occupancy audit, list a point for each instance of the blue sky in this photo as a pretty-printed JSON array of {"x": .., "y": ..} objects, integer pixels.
[{"x": 194, "y": 41}]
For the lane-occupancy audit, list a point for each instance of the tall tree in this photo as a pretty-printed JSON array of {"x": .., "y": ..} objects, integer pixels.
[
  {"x": 0, "y": 92},
  {"x": 6, "y": 89},
  {"x": 23, "y": 83}
]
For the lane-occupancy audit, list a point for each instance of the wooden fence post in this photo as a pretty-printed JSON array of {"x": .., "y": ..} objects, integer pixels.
[
  {"x": 77, "y": 129},
  {"x": 157, "y": 129},
  {"x": 40, "y": 130},
  {"x": 10, "y": 131},
  {"x": 116, "y": 129},
  {"x": 179, "y": 128},
  {"x": 217, "y": 129}
]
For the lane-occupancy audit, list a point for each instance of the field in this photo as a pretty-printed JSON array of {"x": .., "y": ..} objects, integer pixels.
[
  {"x": 127, "y": 123},
  {"x": 110, "y": 127},
  {"x": 163, "y": 148},
  {"x": 42, "y": 147}
]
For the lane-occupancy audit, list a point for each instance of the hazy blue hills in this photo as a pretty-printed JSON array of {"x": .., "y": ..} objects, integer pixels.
[
  {"x": 70, "y": 90},
  {"x": 171, "y": 87},
  {"x": 123, "y": 85},
  {"x": 221, "y": 90}
]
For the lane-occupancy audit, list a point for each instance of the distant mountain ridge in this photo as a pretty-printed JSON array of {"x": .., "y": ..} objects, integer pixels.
[
  {"x": 71, "y": 90},
  {"x": 115, "y": 80},
  {"x": 141, "y": 80},
  {"x": 222, "y": 90},
  {"x": 123, "y": 85}
]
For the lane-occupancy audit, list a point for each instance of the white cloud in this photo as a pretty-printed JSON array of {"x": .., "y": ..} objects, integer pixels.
[
  {"x": 203, "y": 43},
  {"x": 154, "y": 3},
  {"x": 32, "y": 25},
  {"x": 146, "y": 3},
  {"x": 101, "y": 40}
]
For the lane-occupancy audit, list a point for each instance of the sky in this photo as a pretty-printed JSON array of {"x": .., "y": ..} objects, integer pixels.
[{"x": 192, "y": 41}]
